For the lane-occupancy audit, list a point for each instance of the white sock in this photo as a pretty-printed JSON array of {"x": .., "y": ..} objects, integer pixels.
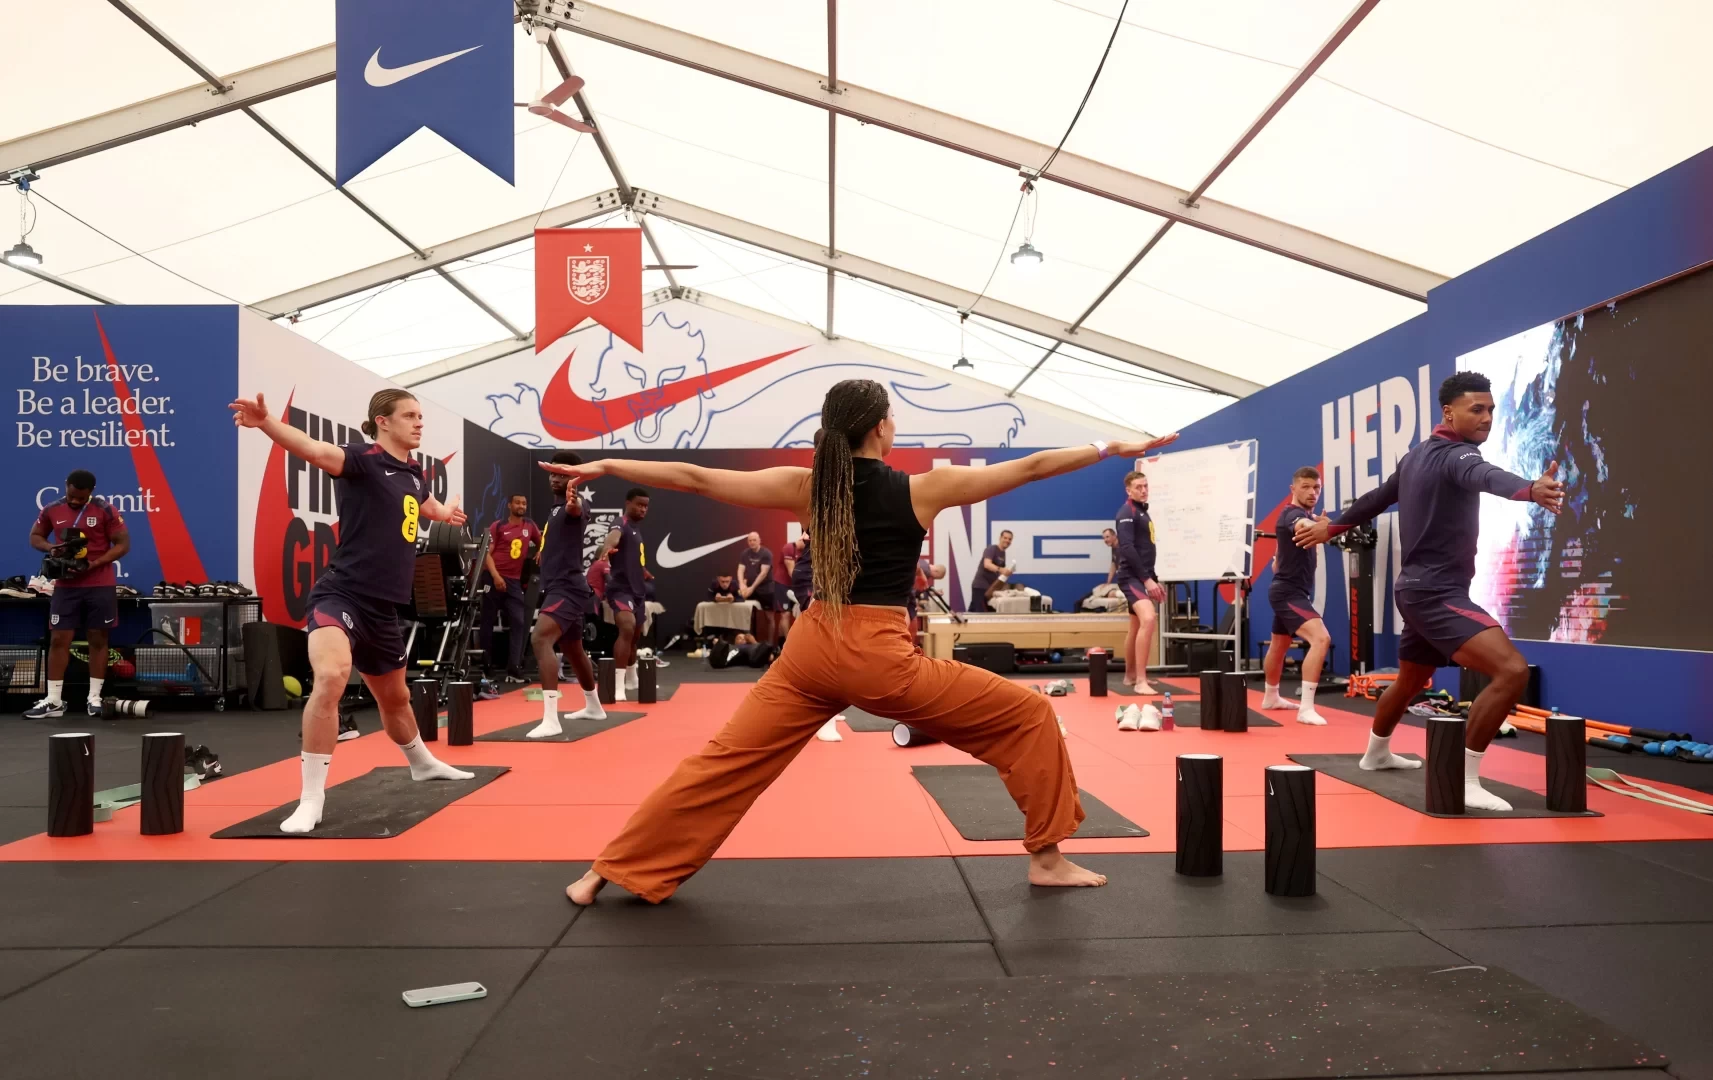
[
  {"x": 425, "y": 766},
  {"x": 54, "y": 688},
  {"x": 95, "y": 690},
  {"x": 1476, "y": 797},
  {"x": 1270, "y": 698},
  {"x": 1305, "y": 709},
  {"x": 829, "y": 731},
  {"x": 549, "y": 717},
  {"x": 1380, "y": 756},
  {"x": 592, "y": 708},
  {"x": 632, "y": 680},
  {"x": 308, "y": 813},
  {"x": 619, "y": 685}
]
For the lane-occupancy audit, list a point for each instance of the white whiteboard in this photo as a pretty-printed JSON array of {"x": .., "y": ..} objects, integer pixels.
[{"x": 1202, "y": 503}]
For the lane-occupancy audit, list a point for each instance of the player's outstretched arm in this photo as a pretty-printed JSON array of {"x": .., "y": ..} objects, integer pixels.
[
  {"x": 960, "y": 485},
  {"x": 782, "y": 488},
  {"x": 1366, "y": 508},
  {"x": 253, "y": 413}
]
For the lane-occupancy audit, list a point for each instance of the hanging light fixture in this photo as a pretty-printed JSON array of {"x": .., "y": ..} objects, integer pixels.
[
  {"x": 22, "y": 254},
  {"x": 1027, "y": 258},
  {"x": 963, "y": 363}
]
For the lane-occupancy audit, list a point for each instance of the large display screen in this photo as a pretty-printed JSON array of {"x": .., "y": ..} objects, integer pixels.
[{"x": 1620, "y": 397}]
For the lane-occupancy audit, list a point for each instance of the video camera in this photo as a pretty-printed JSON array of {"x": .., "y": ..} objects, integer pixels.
[{"x": 66, "y": 558}]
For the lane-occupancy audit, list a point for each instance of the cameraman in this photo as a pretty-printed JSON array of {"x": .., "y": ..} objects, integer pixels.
[{"x": 83, "y": 537}]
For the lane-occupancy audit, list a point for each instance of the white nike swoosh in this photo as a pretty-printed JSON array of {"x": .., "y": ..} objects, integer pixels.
[
  {"x": 392, "y": 472},
  {"x": 376, "y": 75},
  {"x": 667, "y": 558}
]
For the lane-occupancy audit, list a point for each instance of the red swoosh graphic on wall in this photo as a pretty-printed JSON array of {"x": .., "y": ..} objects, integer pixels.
[
  {"x": 173, "y": 545},
  {"x": 273, "y": 511},
  {"x": 566, "y": 415}
]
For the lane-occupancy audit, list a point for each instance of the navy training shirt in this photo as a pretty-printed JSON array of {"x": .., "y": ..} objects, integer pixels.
[
  {"x": 562, "y": 567},
  {"x": 380, "y": 516},
  {"x": 1135, "y": 542},
  {"x": 1438, "y": 486},
  {"x": 627, "y": 560},
  {"x": 1293, "y": 567}
]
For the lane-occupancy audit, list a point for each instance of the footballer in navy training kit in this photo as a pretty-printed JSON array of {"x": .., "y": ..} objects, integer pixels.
[
  {"x": 1135, "y": 578},
  {"x": 1438, "y": 487},
  {"x": 566, "y": 600},
  {"x": 1291, "y": 596},
  {"x": 383, "y": 498},
  {"x": 627, "y": 586},
  {"x": 84, "y": 538}
]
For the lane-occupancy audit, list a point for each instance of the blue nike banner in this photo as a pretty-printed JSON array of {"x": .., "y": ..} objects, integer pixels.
[{"x": 441, "y": 64}]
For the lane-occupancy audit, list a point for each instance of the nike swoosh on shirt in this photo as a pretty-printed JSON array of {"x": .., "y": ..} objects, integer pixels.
[
  {"x": 567, "y": 415},
  {"x": 667, "y": 558},
  {"x": 376, "y": 75}
]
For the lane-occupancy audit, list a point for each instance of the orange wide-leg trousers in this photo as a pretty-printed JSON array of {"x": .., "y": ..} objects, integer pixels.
[{"x": 869, "y": 660}]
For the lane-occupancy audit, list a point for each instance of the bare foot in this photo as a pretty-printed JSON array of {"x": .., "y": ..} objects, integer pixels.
[
  {"x": 1145, "y": 690},
  {"x": 1049, "y": 868},
  {"x": 583, "y": 892}
]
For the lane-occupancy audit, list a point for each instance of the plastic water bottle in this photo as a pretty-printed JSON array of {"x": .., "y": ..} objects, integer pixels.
[{"x": 1166, "y": 713}]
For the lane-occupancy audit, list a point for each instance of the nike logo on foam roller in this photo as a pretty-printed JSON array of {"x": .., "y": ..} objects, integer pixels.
[
  {"x": 667, "y": 558},
  {"x": 376, "y": 75}
]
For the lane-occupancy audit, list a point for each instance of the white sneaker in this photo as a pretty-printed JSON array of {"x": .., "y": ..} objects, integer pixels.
[
  {"x": 1130, "y": 719},
  {"x": 1149, "y": 720}
]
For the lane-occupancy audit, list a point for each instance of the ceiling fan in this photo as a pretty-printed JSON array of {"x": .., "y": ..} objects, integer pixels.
[{"x": 547, "y": 103}]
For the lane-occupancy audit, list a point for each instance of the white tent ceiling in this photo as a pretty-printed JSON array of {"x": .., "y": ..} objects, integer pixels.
[{"x": 1382, "y": 146}]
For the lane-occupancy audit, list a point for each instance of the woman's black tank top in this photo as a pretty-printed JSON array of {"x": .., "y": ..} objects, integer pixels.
[{"x": 888, "y": 536}]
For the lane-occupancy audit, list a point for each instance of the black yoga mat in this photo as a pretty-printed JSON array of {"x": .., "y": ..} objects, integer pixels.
[
  {"x": 974, "y": 799},
  {"x": 862, "y": 720},
  {"x": 1276, "y": 1025},
  {"x": 574, "y": 729},
  {"x": 380, "y": 804},
  {"x": 1186, "y": 714},
  {"x": 1406, "y": 787}
]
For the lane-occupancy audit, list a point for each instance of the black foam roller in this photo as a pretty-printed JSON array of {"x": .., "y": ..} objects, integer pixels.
[
  {"x": 1444, "y": 768},
  {"x": 1097, "y": 673},
  {"x": 461, "y": 715},
  {"x": 1201, "y": 815},
  {"x": 1290, "y": 830},
  {"x": 425, "y": 706},
  {"x": 1233, "y": 702},
  {"x": 604, "y": 680},
  {"x": 163, "y": 783},
  {"x": 1566, "y": 764},
  {"x": 71, "y": 784},
  {"x": 1210, "y": 700},
  {"x": 647, "y": 681},
  {"x": 905, "y": 735}
]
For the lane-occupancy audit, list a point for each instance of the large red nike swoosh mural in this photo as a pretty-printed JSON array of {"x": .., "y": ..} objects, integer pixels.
[
  {"x": 567, "y": 416},
  {"x": 173, "y": 545}
]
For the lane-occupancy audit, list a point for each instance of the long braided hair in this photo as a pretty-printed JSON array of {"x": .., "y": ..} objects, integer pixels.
[{"x": 849, "y": 412}]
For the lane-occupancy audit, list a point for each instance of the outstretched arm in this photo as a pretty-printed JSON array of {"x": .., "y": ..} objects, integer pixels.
[
  {"x": 960, "y": 485},
  {"x": 1473, "y": 473},
  {"x": 782, "y": 488},
  {"x": 325, "y": 456},
  {"x": 1364, "y": 509}
]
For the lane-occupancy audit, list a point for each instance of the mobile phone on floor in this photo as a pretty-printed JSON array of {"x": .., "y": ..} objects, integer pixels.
[{"x": 440, "y": 995}]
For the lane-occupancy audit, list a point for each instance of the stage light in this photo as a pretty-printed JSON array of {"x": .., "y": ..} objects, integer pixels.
[
  {"x": 23, "y": 255},
  {"x": 1026, "y": 258}
]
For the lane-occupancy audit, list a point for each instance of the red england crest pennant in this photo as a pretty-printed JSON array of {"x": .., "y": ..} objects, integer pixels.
[{"x": 588, "y": 274}]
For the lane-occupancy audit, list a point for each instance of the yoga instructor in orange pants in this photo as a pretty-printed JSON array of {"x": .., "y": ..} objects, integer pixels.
[{"x": 852, "y": 647}]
